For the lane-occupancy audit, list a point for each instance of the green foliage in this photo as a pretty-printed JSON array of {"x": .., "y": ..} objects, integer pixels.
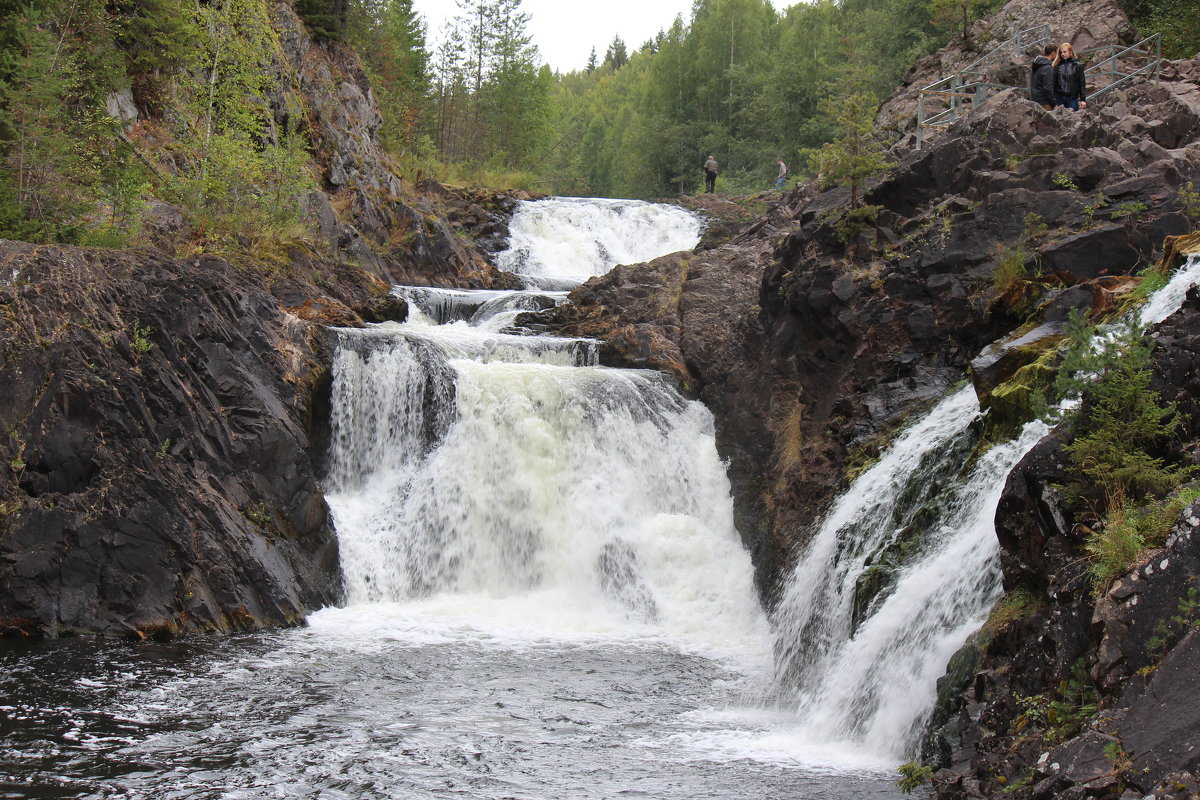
[
  {"x": 140, "y": 337},
  {"x": 243, "y": 175},
  {"x": 259, "y": 514},
  {"x": 55, "y": 140},
  {"x": 1189, "y": 202},
  {"x": 913, "y": 776},
  {"x": 855, "y": 221},
  {"x": 1132, "y": 208},
  {"x": 1063, "y": 181},
  {"x": 1128, "y": 531},
  {"x": 492, "y": 100},
  {"x": 1090, "y": 209},
  {"x": 853, "y": 155},
  {"x": 737, "y": 80},
  {"x": 1120, "y": 421},
  {"x": 1010, "y": 269},
  {"x": 156, "y": 38},
  {"x": 325, "y": 18},
  {"x": 389, "y": 36},
  {"x": 1168, "y": 631},
  {"x": 955, "y": 16},
  {"x": 1061, "y": 715},
  {"x": 1035, "y": 225},
  {"x": 1119, "y": 428},
  {"x": 1174, "y": 19},
  {"x": 1152, "y": 279},
  {"x": 1016, "y": 604}
]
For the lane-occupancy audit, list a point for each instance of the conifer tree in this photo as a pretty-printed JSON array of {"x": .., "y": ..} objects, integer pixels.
[
  {"x": 853, "y": 155},
  {"x": 616, "y": 56}
]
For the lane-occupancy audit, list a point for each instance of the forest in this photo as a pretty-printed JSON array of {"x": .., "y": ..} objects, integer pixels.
[{"x": 736, "y": 80}]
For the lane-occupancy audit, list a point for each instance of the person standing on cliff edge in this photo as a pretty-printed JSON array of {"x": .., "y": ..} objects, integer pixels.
[
  {"x": 1041, "y": 78},
  {"x": 710, "y": 175},
  {"x": 1070, "y": 86}
]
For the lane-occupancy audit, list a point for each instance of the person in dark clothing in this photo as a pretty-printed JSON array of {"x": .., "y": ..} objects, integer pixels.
[
  {"x": 1070, "y": 86},
  {"x": 710, "y": 175},
  {"x": 1041, "y": 78}
]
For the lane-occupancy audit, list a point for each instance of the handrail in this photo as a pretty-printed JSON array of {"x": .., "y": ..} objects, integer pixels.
[
  {"x": 1142, "y": 48},
  {"x": 1016, "y": 41},
  {"x": 950, "y": 88},
  {"x": 970, "y": 85}
]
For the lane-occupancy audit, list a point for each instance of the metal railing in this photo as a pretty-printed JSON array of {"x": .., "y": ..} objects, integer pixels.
[
  {"x": 955, "y": 94},
  {"x": 1148, "y": 50},
  {"x": 971, "y": 84}
]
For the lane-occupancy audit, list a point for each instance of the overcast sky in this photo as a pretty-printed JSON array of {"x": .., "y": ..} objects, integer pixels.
[{"x": 565, "y": 31}]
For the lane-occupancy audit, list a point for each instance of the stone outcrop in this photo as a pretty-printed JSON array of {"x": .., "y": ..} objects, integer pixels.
[
  {"x": 1115, "y": 666},
  {"x": 1086, "y": 24},
  {"x": 158, "y": 460},
  {"x": 403, "y": 229}
]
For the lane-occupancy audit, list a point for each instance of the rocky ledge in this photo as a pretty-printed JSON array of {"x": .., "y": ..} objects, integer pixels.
[{"x": 158, "y": 472}]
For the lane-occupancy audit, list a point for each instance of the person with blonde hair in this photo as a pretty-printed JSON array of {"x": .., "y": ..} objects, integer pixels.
[{"x": 1070, "y": 85}]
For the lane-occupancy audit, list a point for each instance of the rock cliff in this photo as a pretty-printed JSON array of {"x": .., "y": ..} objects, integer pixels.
[
  {"x": 164, "y": 417},
  {"x": 157, "y": 450}
]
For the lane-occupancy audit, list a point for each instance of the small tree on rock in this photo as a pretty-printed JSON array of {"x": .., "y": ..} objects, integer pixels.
[{"x": 854, "y": 155}]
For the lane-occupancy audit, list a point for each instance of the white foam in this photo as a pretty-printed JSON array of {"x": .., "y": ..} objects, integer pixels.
[{"x": 577, "y": 238}]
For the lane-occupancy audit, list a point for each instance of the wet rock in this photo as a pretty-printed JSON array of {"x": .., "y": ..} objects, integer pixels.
[{"x": 1162, "y": 726}]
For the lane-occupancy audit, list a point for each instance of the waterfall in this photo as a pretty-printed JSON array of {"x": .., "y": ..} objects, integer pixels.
[
  {"x": 509, "y": 481},
  {"x": 1168, "y": 299},
  {"x": 903, "y": 568},
  {"x": 561, "y": 242}
]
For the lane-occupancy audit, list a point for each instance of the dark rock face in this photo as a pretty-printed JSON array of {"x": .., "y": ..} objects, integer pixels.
[
  {"x": 1131, "y": 651},
  {"x": 157, "y": 472},
  {"x": 695, "y": 316}
]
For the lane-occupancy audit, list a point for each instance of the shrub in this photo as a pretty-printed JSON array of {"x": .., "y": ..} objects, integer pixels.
[
  {"x": 913, "y": 776},
  {"x": 1010, "y": 270},
  {"x": 1121, "y": 420},
  {"x": 1128, "y": 531}
]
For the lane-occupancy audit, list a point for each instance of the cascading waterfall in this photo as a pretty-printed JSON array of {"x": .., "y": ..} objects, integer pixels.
[
  {"x": 562, "y": 241},
  {"x": 471, "y": 467},
  {"x": 873, "y": 611},
  {"x": 1167, "y": 300}
]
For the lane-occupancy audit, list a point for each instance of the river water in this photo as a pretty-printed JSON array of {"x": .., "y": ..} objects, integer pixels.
[{"x": 546, "y": 597}]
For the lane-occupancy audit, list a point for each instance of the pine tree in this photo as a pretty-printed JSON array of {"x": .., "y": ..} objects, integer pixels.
[
  {"x": 854, "y": 155},
  {"x": 1122, "y": 422},
  {"x": 616, "y": 56}
]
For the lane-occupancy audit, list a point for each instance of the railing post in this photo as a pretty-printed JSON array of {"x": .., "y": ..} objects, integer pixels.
[
  {"x": 1158, "y": 58},
  {"x": 920, "y": 119},
  {"x": 1018, "y": 40}
]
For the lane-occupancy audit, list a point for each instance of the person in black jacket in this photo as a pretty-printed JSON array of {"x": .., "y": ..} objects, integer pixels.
[
  {"x": 1070, "y": 86},
  {"x": 1041, "y": 78}
]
